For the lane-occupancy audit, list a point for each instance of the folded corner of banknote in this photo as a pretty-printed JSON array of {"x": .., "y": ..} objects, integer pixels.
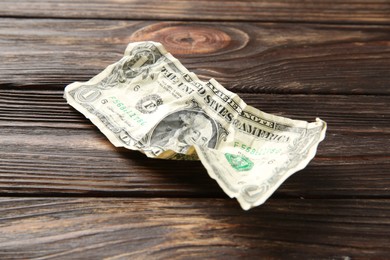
[{"x": 149, "y": 102}]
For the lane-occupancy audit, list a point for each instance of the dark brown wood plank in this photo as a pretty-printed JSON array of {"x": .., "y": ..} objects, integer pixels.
[
  {"x": 48, "y": 147},
  {"x": 342, "y": 11},
  {"x": 111, "y": 228},
  {"x": 350, "y": 113},
  {"x": 357, "y": 125},
  {"x": 244, "y": 57},
  {"x": 119, "y": 173}
]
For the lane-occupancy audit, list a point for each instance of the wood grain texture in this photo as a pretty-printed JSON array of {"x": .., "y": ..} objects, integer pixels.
[
  {"x": 111, "y": 228},
  {"x": 129, "y": 174},
  {"x": 352, "y": 113},
  {"x": 244, "y": 57},
  {"x": 67, "y": 193},
  {"x": 341, "y": 11},
  {"x": 49, "y": 148}
]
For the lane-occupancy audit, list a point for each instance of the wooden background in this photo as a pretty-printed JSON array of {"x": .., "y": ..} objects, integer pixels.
[{"x": 67, "y": 193}]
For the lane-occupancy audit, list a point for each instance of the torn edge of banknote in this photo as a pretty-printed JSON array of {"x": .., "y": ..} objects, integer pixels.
[{"x": 148, "y": 101}]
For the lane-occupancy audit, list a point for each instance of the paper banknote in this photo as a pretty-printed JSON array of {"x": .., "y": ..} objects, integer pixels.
[{"x": 148, "y": 101}]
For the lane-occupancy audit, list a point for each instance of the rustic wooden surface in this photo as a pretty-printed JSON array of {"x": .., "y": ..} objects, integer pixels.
[
  {"x": 67, "y": 193},
  {"x": 338, "y": 11}
]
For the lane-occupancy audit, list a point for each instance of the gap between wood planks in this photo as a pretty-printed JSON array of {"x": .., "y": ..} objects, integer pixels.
[
  {"x": 275, "y": 11},
  {"x": 357, "y": 23}
]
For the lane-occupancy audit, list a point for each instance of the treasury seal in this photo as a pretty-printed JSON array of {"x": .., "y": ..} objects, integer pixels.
[{"x": 239, "y": 162}]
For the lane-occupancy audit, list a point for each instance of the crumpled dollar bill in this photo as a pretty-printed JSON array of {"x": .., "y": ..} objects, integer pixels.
[{"x": 148, "y": 101}]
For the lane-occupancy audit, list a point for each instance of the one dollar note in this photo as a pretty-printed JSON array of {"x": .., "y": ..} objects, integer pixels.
[{"x": 148, "y": 101}]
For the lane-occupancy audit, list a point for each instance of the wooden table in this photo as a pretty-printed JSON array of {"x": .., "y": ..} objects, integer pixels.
[{"x": 67, "y": 193}]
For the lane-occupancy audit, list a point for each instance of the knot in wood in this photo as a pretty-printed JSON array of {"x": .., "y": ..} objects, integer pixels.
[{"x": 185, "y": 39}]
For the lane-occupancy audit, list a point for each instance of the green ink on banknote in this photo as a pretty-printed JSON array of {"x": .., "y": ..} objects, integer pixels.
[{"x": 239, "y": 162}]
